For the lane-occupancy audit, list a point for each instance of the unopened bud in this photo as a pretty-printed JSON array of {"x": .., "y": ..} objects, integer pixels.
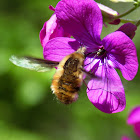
[
  {"x": 109, "y": 14},
  {"x": 122, "y": 1}
]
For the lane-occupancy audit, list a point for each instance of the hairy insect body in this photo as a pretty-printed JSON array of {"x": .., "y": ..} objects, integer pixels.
[{"x": 68, "y": 77}]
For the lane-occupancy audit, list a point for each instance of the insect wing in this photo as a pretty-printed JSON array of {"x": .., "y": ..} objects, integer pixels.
[{"x": 39, "y": 65}]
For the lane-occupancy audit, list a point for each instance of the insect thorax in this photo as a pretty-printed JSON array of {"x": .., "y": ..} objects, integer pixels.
[{"x": 101, "y": 51}]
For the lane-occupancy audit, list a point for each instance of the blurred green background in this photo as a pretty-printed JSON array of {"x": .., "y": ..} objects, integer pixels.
[{"x": 28, "y": 109}]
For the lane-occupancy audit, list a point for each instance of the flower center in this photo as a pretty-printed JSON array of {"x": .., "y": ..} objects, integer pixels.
[{"x": 101, "y": 51}]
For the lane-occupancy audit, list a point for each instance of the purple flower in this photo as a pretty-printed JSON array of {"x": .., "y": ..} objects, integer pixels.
[
  {"x": 83, "y": 20},
  {"x": 51, "y": 29},
  {"x": 134, "y": 119}
]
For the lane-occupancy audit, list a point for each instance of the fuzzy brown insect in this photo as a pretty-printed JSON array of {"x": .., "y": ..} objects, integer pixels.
[{"x": 69, "y": 77}]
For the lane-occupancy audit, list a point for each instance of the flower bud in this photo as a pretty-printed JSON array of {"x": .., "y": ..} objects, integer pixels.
[
  {"x": 122, "y": 1},
  {"x": 109, "y": 14}
]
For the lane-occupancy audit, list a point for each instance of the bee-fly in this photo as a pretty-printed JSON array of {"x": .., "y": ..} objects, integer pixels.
[{"x": 68, "y": 77}]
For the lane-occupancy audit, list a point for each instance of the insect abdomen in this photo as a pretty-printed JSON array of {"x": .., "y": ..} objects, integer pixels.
[{"x": 68, "y": 89}]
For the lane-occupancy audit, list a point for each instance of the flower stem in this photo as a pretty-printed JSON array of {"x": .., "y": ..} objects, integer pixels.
[
  {"x": 127, "y": 12},
  {"x": 128, "y": 20},
  {"x": 136, "y": 22}
]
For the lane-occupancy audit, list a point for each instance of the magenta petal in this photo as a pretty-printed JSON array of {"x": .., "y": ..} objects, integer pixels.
[
  {"x": 82, "y": 19},
  {"x": 107, "y": 93},
  {"x": 129, "y": 29},
  {"x": 115, "y": 22},
  {"x": 134, "y": 116},
  {"x": 121, "y": 51},
  {"x": 134, "y": 119},
  {"x": 57, "y": 48},
  {"x": 137, "y": 128},
  {"x": 51, "y": 8},
  {"x": 48, "y": 29},
  {"x": 51, "y": 29}
]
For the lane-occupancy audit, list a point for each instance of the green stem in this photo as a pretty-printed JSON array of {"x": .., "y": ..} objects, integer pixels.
[
  {"x": 136, "y": 22},
  {"x": 128, "y": 20},
  {"x": 126, "y": 13}
]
